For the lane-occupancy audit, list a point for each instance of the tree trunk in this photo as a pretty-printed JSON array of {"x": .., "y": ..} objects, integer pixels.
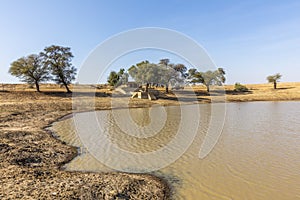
[
  {"x": 207, "y": 88},
  {"x": 37, "y": 86},
  {"x": 167, "y": 88},
  {"x": 67, "y": 88},
  {"x": 147, "y": 87},
  {"x": 275, "y": 85}
]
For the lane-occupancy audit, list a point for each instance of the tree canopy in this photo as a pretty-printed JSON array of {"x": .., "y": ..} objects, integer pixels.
[
  {"x": 182, "y": 69},
  {"x": 274, "y": 79},
  {"x": 145, "y": 73},
  {"x": 163, "y": 73},
  {"x": 207, "y": 78},
  {"x": 30, "y": 69},
  {"x": 116, "y": 79},
  {"x": 58, "y": 60}
]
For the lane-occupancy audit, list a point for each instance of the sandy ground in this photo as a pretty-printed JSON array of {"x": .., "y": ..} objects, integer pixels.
[
  {"x": 31, "y": 158},
  {"x": 265, "y": 92}
]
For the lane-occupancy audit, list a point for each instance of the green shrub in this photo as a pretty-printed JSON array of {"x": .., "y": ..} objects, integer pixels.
[{"x": 240, "y": 88}]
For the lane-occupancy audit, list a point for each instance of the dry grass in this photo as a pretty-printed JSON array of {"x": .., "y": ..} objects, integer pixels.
[
  {"x": 30, "y": 157},
  {"x": 265, "y": 92},
  {"x": 257, "y": 92}
]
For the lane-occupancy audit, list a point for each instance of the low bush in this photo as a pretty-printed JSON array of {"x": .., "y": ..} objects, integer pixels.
[{"x": 240, "y": 88}]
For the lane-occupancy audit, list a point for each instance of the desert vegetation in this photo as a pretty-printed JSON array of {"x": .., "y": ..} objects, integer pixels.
[
  {"x": 274, "y": 79},
  {"x": 32, "y": 152},
  {"x": 166, "y": 74},
  {"x": 240, "y": 88},
  {"x": 54, "y": 64}
]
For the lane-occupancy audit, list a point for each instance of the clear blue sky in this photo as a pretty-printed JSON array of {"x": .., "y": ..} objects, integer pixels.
[{"x": 250, "y": 39}]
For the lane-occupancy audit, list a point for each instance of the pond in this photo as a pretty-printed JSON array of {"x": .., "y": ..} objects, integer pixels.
[{"x": 256, "y": 157}]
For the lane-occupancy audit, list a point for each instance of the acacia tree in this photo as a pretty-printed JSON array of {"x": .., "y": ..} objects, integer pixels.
[
  {"x": 145, "y": 73},
  {"x": 165, "y": 62},
  {"x": 116, "y": 79},
  {"x": 113, "y": 78},
  {"x": 274, "y": 79},
  {"x": 208, "y": 78},
  {"x": 181, "y": 68},
  {"x": 30, "y": 69},
  {"x": 58, "y": 60},
  {"x": 172, "y": 73},
  {"x": 123, "y": 76},
  {"x": 191, "y": 75},
  {"x": 194, "y": 76},
  {"x": 171, "y": 77}
]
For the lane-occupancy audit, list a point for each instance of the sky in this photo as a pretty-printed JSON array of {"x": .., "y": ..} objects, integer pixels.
[{"x": 250, "y": 39}]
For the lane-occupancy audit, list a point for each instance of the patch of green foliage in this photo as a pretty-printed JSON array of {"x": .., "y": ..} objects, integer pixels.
[{"x": 240, "y": 88}]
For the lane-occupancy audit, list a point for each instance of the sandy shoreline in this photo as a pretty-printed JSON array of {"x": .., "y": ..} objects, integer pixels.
[{"x": 31, "y": 157}]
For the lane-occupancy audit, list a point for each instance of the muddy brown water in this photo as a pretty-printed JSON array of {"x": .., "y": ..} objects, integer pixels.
[{"x": 256, "y": 157}]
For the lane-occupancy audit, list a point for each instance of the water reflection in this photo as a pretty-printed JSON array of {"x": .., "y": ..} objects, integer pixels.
[{"x": 257, "y": 156}]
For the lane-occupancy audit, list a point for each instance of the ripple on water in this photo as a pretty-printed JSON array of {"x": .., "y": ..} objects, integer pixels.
[{"x": 257, "y": 156}]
